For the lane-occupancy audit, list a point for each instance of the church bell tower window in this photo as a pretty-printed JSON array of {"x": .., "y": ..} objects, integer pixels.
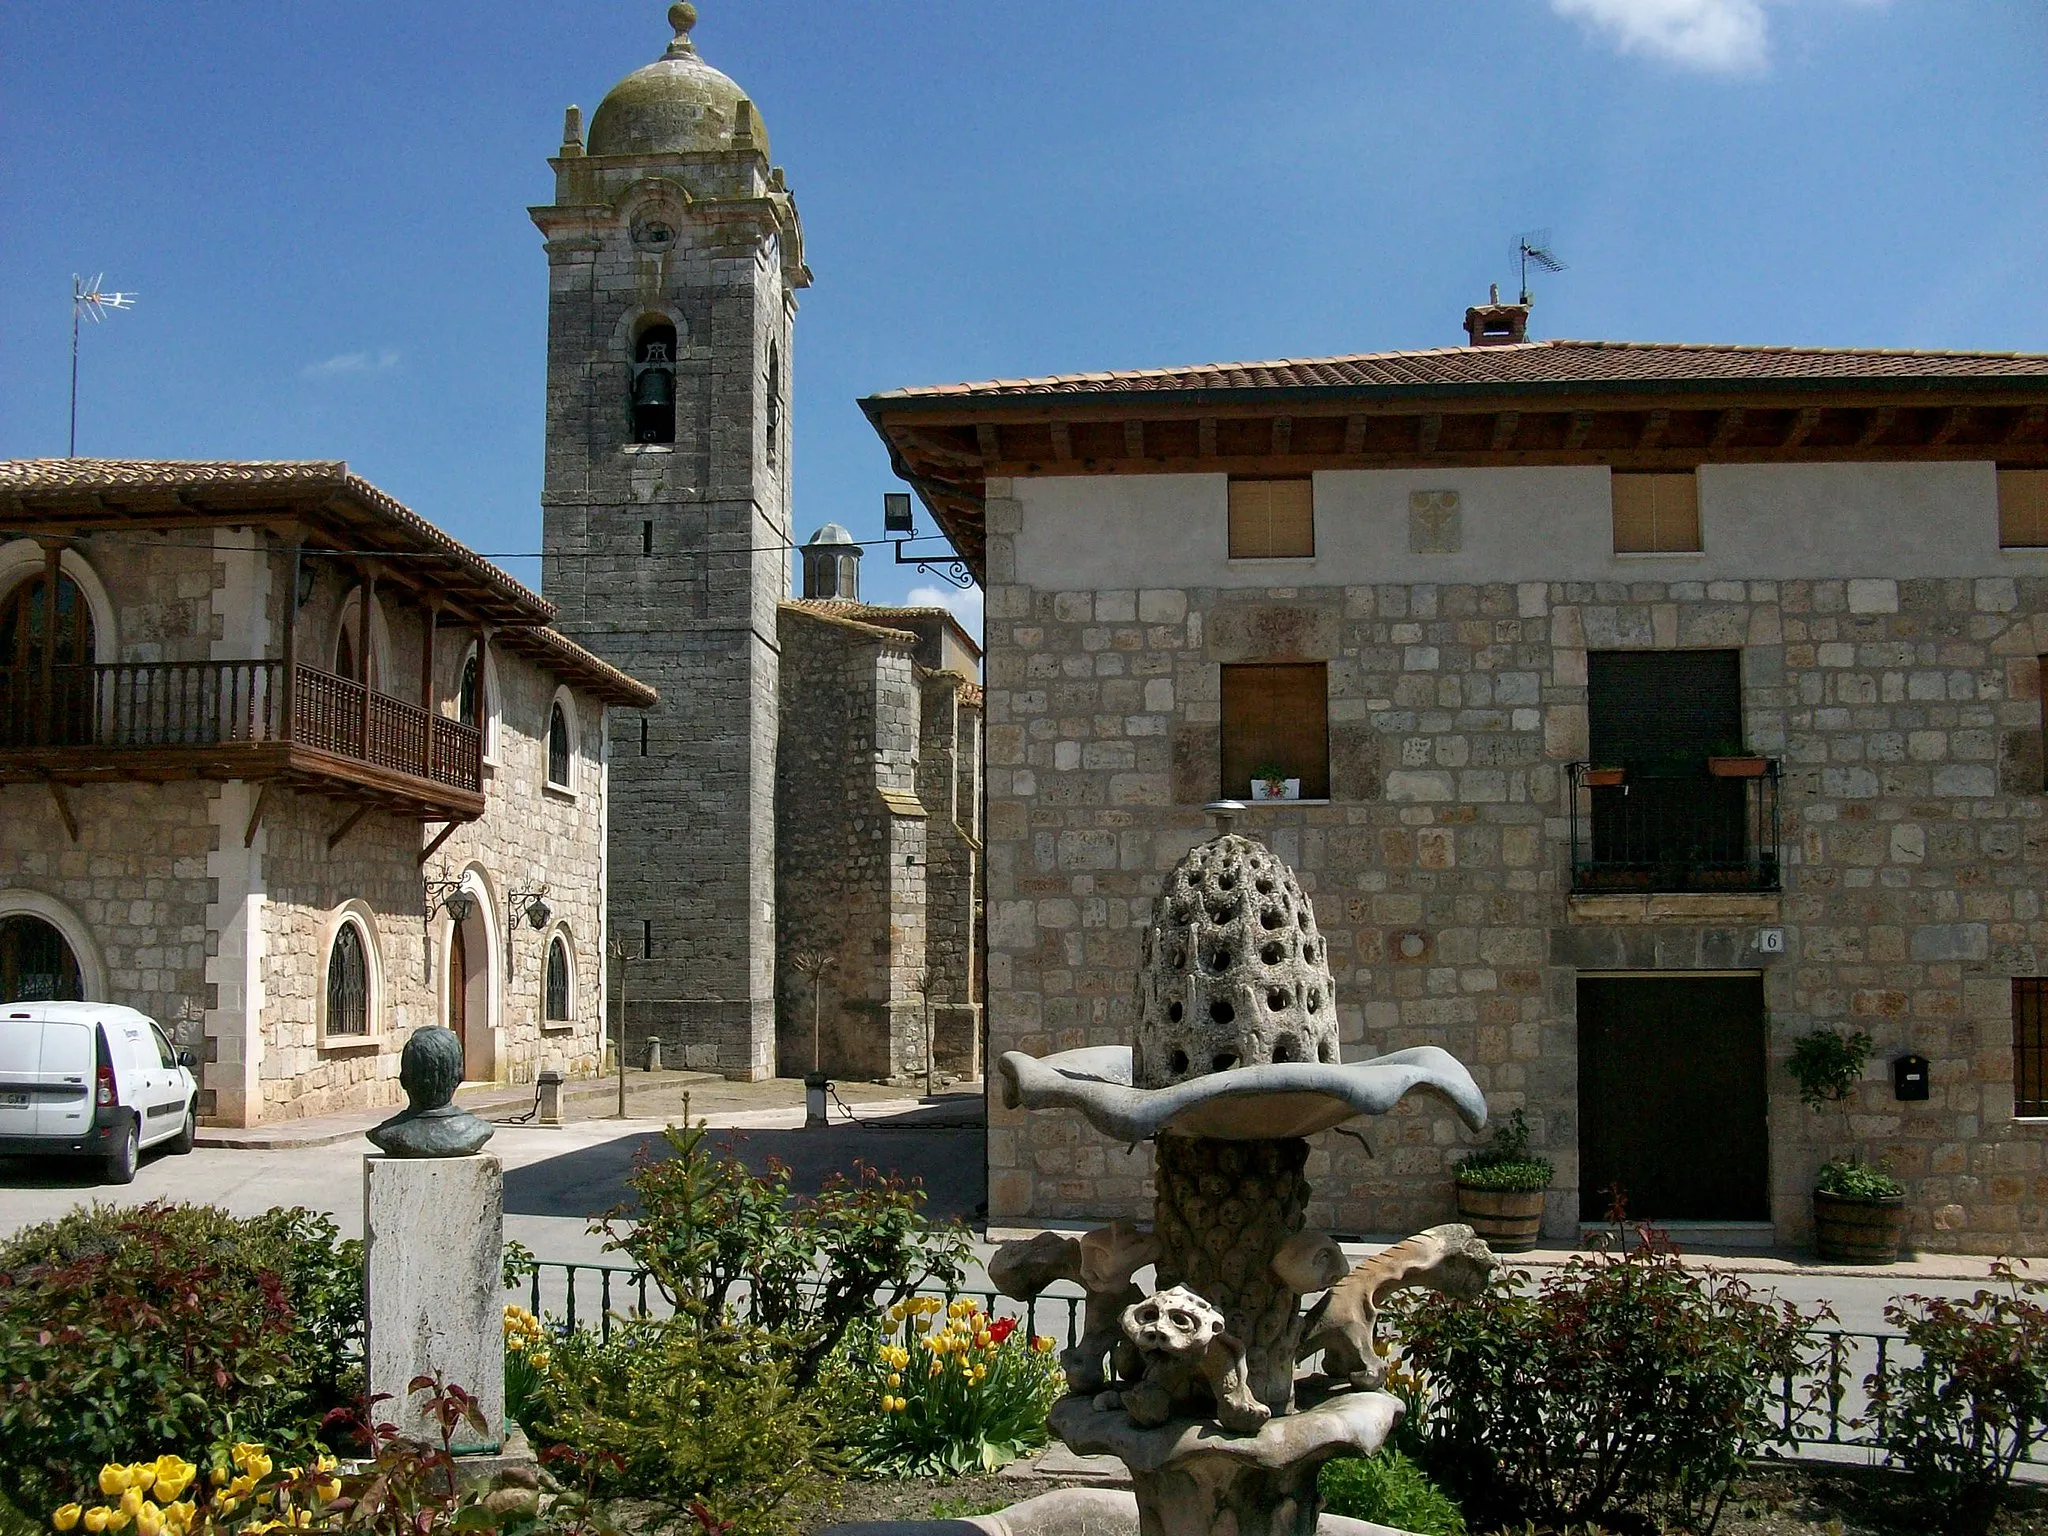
[
  {"x": 654, "y": 384},
  {"x": 774, "y": 429}
]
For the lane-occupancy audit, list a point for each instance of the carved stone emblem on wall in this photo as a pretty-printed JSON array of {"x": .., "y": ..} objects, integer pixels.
[{"x": 1435, "y": 523}]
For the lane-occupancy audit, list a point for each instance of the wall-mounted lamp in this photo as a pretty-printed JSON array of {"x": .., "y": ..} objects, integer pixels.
[
  {"x": 309, "y": 577},
  {"x": 449, "y": 896},
  {"x": 537, "y": 911}
]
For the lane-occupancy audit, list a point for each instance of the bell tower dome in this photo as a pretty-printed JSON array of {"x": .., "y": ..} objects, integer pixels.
[{"x": 674, "y": 258}]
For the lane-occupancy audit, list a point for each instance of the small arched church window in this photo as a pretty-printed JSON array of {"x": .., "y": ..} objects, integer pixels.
[
  {"x": 774, "y": 397},
  {"x": 348, "y": 983},
  {"x": 557, "y": 1002},
  {"x": 558, "y": 748},
  {"x": 654, "y": 384},
  {"x": 465, "y": 696}
]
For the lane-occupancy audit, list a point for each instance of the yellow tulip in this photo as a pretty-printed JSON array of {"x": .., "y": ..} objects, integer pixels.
[
  {"x": 983, "y": 1339},
  {"x": 96, "y": 1519},
  {"x": 65, "y": 1516},
  {"x": 113, "y": 1479},
  {"x": 331, "y": 1489},
  {"x": 895, "y": 1380},
  {"x": 141, "y": 1474},
  {"x": 131, "y": 1501},
  {"x": 118, "y": 1519},
  {"x": 149, "y": 1520},
  {"x": 226, "y": 1505},
  {"x": 174, "y": 1475}
]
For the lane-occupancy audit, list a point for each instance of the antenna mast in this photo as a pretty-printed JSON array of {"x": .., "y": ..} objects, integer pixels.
[
  {"x": 1534, "y": 247},
  {"x": 87, "y": 299}
]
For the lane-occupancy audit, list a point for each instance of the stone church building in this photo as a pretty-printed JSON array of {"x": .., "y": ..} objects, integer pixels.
[{"x": 806, "y": 789}]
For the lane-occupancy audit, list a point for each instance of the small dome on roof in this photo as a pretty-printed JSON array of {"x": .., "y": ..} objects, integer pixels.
[
  {"x": 677, "y": 104},
  {"x": 831, "y": 533}
]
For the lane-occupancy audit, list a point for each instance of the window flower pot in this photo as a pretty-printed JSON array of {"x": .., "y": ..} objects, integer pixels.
[
  {"x": 1603, "y": 778},
  {"x": 1853, "y": 1229},
  {"x": 1736, "y": 767},
  {"x": 1276, "y": 789},
  {"x": 1509, "y": 1219}
]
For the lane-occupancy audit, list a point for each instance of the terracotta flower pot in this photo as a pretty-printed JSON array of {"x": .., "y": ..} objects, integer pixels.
[
  {"x": 1509, "y": 1219},
  {"x": 1736, "y": 767},
  {"x": 1852, "y": 1230},
  {"x": 1603, "y": 778}
]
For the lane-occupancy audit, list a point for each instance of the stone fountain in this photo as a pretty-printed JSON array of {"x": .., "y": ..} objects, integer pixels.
[{"x": 1234, "y": 1063}]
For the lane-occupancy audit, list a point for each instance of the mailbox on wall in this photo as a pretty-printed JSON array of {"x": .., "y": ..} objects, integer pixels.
[{"x": 1909, "y": 1077}]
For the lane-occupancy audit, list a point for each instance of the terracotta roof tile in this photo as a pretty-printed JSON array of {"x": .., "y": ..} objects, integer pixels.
[{"x": 1537, "y": 362}]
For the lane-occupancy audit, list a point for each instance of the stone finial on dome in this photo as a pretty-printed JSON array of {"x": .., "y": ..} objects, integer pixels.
[
  {"x": 682, "y": 16},
  {"x": 1232, "y": 972}
]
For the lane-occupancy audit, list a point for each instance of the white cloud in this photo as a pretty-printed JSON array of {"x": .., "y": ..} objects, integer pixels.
[
  {"x": 966, "y": 606},
  {"x": 1714, "y": 36},
  {"x": 350, "y": 362}
]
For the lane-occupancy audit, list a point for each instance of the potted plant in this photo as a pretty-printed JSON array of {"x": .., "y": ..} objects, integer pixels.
[
  {"x": 1501, "y": 1188},
  {"x": 1603, "y": 778},
  {"x": 1859, "y": 1212},
  {"x": 1736, "y": 765},
  {"x": 1270, "y": 781}
]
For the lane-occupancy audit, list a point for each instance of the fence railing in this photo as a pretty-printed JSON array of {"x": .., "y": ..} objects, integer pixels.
[
  {"x": 229, "y": 703},
  {"x": 1841, "y": 1363},
  {"x": 1674, "y": 830}
]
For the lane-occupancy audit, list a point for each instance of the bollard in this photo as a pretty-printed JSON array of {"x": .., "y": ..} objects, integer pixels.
[
  {"x": 815, "y": 1085},
  {"x": 549, "y": 1084},
  {"x": 654, "y": 1053}
]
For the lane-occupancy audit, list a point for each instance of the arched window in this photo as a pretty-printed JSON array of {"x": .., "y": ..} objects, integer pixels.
[
  {"x": 560, "y": 755},
  {"x": 654, "y": 383},
  {"x": 470, "y": 695},
  {"x": 555, "y": 1008},
  {"x": 348, "y": 983},
  {"x": 23, "y": 626},
  {"x": 36, "y": 965},
  {"x": 774, "y": 397},
  {"x": 466, "y": 694}
]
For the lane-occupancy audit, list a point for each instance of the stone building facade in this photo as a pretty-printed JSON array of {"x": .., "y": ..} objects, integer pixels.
[
  {"x": 1866, "y": 568},
  {"x": 202, "y": 795},
  {"x": 675, "y": 256}
]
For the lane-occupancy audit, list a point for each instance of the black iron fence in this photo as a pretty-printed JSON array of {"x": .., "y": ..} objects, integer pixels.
[
  {"x": 1676, "y": 829},
  {"x": 1824, "y": 1403}
]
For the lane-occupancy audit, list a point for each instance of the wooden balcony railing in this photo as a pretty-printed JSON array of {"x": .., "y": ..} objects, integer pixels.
[{"x": 224, "y": 704}]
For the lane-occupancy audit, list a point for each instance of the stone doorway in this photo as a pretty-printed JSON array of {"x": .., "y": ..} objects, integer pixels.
[{"x": 1673, "y": 1098}]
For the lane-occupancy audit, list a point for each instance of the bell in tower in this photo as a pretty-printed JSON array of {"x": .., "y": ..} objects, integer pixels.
[{"x": 654, "y": 385}]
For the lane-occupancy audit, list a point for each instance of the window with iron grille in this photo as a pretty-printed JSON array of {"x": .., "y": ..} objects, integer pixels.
[
  {"x": 558, "y": 748},
  {"x": 2030, "y": 1046},
  {"x": 557, "y": 1010},
  {"x": 348, "y": 983}
]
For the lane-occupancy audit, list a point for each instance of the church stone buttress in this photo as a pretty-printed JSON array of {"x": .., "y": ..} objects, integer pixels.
[{"x": 674, "y": 256}]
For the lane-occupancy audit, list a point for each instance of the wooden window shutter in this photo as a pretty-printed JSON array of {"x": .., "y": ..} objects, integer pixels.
[
  {"x": 2022, "y": 508},
  {"x": 1272, "y": 519},
  {"x": 1656, "y": 513},
  {"x": 2030, "y": 1046},
  {"x": 1278, "y": 715}
]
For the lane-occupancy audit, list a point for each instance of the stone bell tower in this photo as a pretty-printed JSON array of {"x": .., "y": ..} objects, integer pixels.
[{"x": 674, "y": 256}]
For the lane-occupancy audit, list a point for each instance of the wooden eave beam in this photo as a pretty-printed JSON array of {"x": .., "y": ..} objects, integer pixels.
[
  {"x": 1134, "y": 438},
  {"x": 1504, "y": 427},
  {"x": 1958, "y": 418},
  {"x": 1431, "y": 429},
  {"x": 1880, "y": 422},
  {"x": 1062, "y": 441},
  {"x": 1802, "y": 426},
  {"x": 1725, "y": 427},
  {"x": 1283, "y": 436},
  {"x": 1581, "y": 429}
]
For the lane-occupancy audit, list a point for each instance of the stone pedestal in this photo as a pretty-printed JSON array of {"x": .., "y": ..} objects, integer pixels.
[{"x": 433, "y": 1241}]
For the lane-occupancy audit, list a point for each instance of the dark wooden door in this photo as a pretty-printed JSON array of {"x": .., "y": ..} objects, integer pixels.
[
  {"x": 458, "y": 988},
  {"x": 1672, "y": 1098}
]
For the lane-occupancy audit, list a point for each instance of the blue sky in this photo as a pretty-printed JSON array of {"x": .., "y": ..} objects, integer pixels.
[{"x": 323, "y": 207}]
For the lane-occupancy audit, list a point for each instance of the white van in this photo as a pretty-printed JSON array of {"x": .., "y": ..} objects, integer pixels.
[{"x": 92, "y": 1080}]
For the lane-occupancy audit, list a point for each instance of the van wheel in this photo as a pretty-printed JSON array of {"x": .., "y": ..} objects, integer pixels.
[
  {"x": 121, "y": 1161},
  {"x": 182, "y": 1142}
]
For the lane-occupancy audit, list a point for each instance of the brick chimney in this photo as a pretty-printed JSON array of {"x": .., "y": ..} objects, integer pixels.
[{"x": 1494, "y": 324}]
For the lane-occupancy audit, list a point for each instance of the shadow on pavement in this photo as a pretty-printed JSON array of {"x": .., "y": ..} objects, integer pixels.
[{"x": 930, "y": 1144}]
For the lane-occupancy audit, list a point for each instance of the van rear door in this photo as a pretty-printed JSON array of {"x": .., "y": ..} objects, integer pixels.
[
  {"x": 64, "y": 1108},
  {"x": 21, "y": 1061}
]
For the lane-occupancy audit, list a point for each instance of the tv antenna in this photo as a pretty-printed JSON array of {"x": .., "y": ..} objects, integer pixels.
[
  {"x": 88, "y": 299},
  {"x": 1533, "y": 249}
]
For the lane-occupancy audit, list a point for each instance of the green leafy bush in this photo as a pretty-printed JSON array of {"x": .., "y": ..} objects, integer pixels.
[
  {"x": 1392, "y": 1490},
  {"x": 1505, "y": 1163},
  {"x": 943, "y": 1389},
  {"x": 1624, "y": 1387},
  {"x": 1964, "y": 1417},
  {"x": 1827, "y": 1064},
  {"x": 168, "y": 1326},
  {"x": 713, "y": 1234},
  {"x": 688, "y": 1413},
  {"x": 1852, "y": 1180}
]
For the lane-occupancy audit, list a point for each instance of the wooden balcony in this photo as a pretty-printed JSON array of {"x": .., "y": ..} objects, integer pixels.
[{"x": 158, "y": 721}]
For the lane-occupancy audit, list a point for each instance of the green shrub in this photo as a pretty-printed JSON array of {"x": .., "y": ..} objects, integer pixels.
[
  {"x": 687, "y": 1411},
  {"x": 1505, "y": 1163},
  {"x": 1623, "y": 1388},
  {"x": 1392, "y": 1490},
  {"x": 1827, "y": 1064},
  {"x": 168, "y": 1326},
  {"x": 1857, "y": 1181},
  {"x": 714, "y": 1235},
  {"x": 1964, "y": 1417}
]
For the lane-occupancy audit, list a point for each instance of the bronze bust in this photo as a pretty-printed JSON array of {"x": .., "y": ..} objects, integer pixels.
[{"x": 431, "y": 1125}]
